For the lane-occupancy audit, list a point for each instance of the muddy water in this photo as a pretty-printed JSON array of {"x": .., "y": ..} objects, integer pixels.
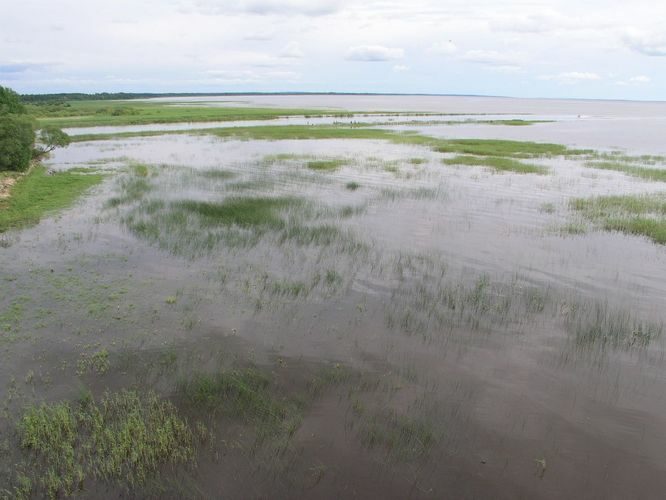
[{"x": 519, "y": 406}]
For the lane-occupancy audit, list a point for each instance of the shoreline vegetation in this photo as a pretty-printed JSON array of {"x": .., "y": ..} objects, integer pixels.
[
  {"x": 37, "y": 194},
  {"x": 118, "y": 113}
]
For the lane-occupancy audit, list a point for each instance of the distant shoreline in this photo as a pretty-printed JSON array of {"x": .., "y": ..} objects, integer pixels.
[{"x": 104, "y": 96}]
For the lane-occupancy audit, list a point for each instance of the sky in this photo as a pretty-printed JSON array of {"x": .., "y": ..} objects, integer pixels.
[{"x": 604, "y": 49}]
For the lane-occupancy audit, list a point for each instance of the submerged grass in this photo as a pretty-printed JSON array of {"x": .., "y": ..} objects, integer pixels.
[
  {"x": 403, "y": 438},
  {"x": 123, "y": 438},
  {"x": 601, "y": 326},
  {"x": 217, "y": 174},
  {"x": 133, "y": 187},
  {"x": 243, "y": 212},
  {"x": 643, "y": 215},
  {"x": 326, "y": 165},
  {"x": 497, "y": 163},
  {"x": 651, "y": 174},
  {"x": 245, "y": 394},
  {"x": 479, "y": 147},
  {"x": 38, "y": 194}
]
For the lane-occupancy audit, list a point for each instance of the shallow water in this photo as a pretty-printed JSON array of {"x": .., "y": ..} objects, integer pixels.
[
  {"x": 453, "y": 286},
  {"x": 314, "y": 120}
]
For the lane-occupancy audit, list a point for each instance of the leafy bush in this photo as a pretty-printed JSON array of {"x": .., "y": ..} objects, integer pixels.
[
  {"x": 10, "y": 102},
  {"x": 17, "y": 134},
  {"x": 16, "y": 140}
]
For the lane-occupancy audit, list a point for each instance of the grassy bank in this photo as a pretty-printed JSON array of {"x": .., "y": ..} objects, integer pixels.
[
  {"x": 38, "y": 194},
  {"x": 100, "y": 113}
]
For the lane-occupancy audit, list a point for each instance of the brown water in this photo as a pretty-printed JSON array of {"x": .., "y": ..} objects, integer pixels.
[{"x": 455, "y": 297}]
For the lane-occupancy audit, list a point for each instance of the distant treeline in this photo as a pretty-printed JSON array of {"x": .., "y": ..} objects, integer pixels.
[
  {"x": 108, "y": 96},
  {"x": 102, "y": 96}
]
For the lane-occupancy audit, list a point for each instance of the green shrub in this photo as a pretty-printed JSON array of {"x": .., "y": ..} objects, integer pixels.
[{"x": 17, "y": 137}]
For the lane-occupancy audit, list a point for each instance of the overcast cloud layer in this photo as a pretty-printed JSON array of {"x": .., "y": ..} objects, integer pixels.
[{"x": 559, "y": 48}]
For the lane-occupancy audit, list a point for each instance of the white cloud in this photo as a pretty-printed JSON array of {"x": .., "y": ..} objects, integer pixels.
[
  {"x": 259, "y": 36},
  {"x": 572, "y": 77},
  {"x": 267, "y": 7},
  {"x": 645, "y": 43},
  {"x": 374, "y": 53},
  {"x": 152, "y": 49},
  {"x": 492, "y": 58},
  {"x": 291, "y": 51},
  {"x": 635, "y": 80},
  {"x": 249, "y": 76},
  {"x": 443, "y": 48},
  {"x": 541, "y": 22}
]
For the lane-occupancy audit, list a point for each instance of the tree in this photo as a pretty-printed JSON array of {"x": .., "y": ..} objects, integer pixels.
[
  {"x": 17, "y": 136},
  {"x": 10, "y": 102},
  {"x": 17, "y": 132},
  {"x": 52, "y": 137}
]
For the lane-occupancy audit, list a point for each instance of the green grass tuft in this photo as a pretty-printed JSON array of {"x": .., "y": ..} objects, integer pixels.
[
  {"x": 244, "y": 212},
  {"x": 643, "y": 215},
  {"x": 651, "y": 174},
  {"x": 123, "y": 438},
  {"x": 497, "y": 163},
  {"x": 39, "y": 194},
  {"x": 325, "y": 165}
]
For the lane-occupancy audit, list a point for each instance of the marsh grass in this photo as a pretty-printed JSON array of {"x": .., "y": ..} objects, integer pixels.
[
  {"x": 195, "y": 227},
  {"x": 478, "y": 147},
  {"x": 401, "y": 437},
  {"x": 98, "y": 113},
  {"x": 419, "y": 193},
  {"x": 123, "y": 438},
  {"x": 38, "y": 194},
  {"x": 600, "y": 326},
  {"x": 620, "y": 157},
  {"x": 260, "y": 212},
  {"x": 287, "y": 288},
  {"x": 547, "y": 208},
  {"x": 496, "y": 163},
  {"x": 643, "y": 215},
  {"x": 574, "y": 228},
  {"x": 132, "y": 187},
  {"x": 352, "y": 185},
  {"x": 651, "y": 174},
  {"x": 217, "y": 174},
  {"x": 246, "y": 394},
  {"x": 326, "y": 165},
  {"x": 96, "y": 362}
]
